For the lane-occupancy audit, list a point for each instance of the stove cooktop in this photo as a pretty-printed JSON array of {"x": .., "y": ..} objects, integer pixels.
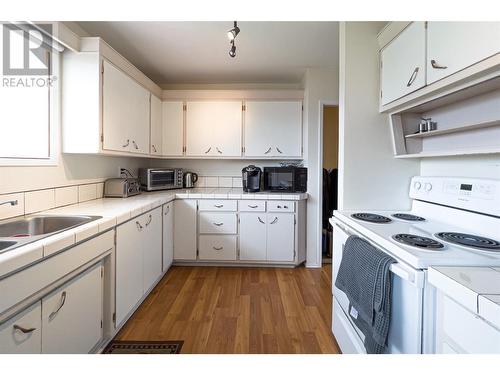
[{"x": 470, "y": 240}]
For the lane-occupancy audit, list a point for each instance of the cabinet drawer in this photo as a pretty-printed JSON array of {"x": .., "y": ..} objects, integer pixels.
[
  {"x": 217, "y": 247},
  {"x": 22, "y": 333},
  {"x": 469, "y": 331},
  {"x": 217, "y": 205},
  {"x": 252, "y": 206},
  {"x": 280, "y": 206},
  {"x": 214, "y": 222}
]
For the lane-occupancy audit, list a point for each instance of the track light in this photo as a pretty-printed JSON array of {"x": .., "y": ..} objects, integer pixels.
[
  {"x": 232, "y": 51},
  {"x": 231, "y": 34}
]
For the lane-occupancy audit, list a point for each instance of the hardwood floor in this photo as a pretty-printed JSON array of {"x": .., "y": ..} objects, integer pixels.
[{"x": 239, "y": 310}]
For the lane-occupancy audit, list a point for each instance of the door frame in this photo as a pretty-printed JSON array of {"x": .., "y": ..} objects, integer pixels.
[{"x": 322, "y": 105}]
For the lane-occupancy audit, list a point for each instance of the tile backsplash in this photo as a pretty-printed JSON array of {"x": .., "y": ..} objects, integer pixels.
[
  {"x": 219, "y": 181},
  {"x": 29, "y": 202}
]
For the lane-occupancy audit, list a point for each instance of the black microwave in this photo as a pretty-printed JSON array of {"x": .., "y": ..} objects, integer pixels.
[{"x": 285, "y": 179}]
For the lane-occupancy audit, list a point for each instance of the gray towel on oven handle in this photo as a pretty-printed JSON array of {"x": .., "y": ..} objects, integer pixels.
[{"x": 364, "y": 276}]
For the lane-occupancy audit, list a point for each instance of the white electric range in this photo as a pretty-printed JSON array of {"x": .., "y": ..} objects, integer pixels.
[{"x": 452, "y": 222}]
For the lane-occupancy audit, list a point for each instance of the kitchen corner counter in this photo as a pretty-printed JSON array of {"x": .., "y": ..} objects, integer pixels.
[
  {"x": 115, "y": 211},
  {"x": 476, "y": 288}
]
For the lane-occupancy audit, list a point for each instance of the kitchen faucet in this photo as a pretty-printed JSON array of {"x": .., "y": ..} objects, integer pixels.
[{"x": 12, "y": 203}]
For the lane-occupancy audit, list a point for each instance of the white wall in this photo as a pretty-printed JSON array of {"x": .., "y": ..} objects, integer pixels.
[
  {"x": 478, "y": 166},
  {"x": 369, "y": 176},
  {"x": 321, "y": 86},
  {"x": 71, "y": 170}
]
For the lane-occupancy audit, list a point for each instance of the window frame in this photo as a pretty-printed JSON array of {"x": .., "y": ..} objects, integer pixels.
[{"x": 54, "y": 122}]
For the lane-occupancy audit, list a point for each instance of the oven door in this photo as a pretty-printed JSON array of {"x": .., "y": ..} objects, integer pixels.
[
  {"x": 159, "y": 179},
  {"x": 405, "y": 332},
  {"x": 279, "y": 179}
]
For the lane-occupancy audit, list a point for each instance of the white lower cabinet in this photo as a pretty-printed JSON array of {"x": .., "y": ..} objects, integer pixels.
[
  {"x": 72, "y": 314},
  {"x": 138, "y": 260},
  {"x": 151, "y": 246},
  {"x": 22, "y": 334},
  {"x": 218, "y": 223},
  {"x": 280, "y": 237},
  {"x": 217, "y": 247},
  {"x": 128, "y": 269},
  {"x": 253, "y": 233},
  {"x": 168, "y": 235},
  {"x": 185, "y": 229}
]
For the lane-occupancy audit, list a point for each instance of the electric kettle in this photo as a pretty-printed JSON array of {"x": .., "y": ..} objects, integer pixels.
[{"x": 190, "y": 179}]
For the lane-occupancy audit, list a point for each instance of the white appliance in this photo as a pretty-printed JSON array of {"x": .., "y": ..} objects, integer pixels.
[{"x": 452, "y": 222}]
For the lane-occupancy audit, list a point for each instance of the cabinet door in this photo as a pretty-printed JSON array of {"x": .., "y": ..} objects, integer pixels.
[
  {"x": 253, "y": 234},
  {"x": 72, "y": 314},
  {"x": 151, "y": 242},
  {"x": 273, "y": 129},
  {"x": 403, "y": 63},
  {"x": 213, "y": 128},
  {"x": 173, "y": 128},
  {"x": 156, "y": 126},
  {"x": 125, "y": 112},
  {"x": 129, "y": 288},
  {"x": 168, "y": 235},
  {"x": 185, "y": 229},
  {"x": 22, "y": 334},
  {"x": 280, "y": 237},
  {"x": 454, "y": 46}
]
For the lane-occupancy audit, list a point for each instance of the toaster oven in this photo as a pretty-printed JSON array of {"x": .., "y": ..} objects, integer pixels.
[{"x": 160, "y": 178}]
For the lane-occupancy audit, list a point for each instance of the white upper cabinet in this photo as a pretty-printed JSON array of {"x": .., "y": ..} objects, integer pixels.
[
  {"x": 126, "y": 112},
  {"x": 173, "y": 128},
  {"x": 156, "y": 139},
  {"x": 213, "y": 128},
  {"x": 403, "y": 63},
  {"x": 453, "y": 46},
  {"x": 273, "y": 129}
]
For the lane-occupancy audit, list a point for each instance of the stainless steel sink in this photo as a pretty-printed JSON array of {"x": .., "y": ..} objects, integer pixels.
[
  {"x": 6, "y": 244},
  {"x": 19, "y": 232}
]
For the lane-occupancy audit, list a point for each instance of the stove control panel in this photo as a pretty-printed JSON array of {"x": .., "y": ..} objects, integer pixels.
[{"x": 479, "y": 195}]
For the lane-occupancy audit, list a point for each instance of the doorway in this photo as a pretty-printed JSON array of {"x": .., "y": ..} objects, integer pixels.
[{"x": 330, "y": 159}]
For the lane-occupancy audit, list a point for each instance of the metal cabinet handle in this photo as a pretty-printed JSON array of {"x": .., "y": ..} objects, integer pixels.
[
  {"x": 126, "y": 144},
  {"x": 150, "y": 219},
  {"x": 139, "y": 226},
  {"x": 218, "y": 224},
  {"x": 217, "y": 248},
  {"x": 61, "y": 304},
  {"x": 258, "y": 217},
  {"x": 435, "y": 65},
  {"x": 154, "y": 148},
  {"x": 218, "y": 205},
  {"x": 219, "y": 151},
  {"x": 252, "y": 206},
  {"x": 278, "y": 206},
  {"x": 23, "y": 330},
  {"x": 206, "y": 152},
  {"x": 277, "y": 149},
  {"x": 268, "y": 151},
  {"x": 275, "y": 220},
  {"x": 285, "y": 206},
  {"x": 413, "y": 77},
  {"x": 135, "y": 145},
  {"x": 167, "y": 210}
]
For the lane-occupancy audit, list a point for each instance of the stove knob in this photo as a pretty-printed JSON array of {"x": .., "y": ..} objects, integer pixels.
[
  {"x": 428, "y": 187},
  {"x": 417, "y": 185}
]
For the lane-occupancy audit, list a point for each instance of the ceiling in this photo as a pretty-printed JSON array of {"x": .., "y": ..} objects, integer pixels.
[{"x": 197, "y": 52}]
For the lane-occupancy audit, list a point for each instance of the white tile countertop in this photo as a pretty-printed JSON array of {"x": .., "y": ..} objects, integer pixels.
[
  {"x": 476, "y": 288},
  {"x": 115, "y": 211}
]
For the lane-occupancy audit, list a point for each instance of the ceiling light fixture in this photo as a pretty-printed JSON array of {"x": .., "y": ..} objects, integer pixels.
[
  {"x": 231, "y": 34},
  {"x": 232, "y": 51}
]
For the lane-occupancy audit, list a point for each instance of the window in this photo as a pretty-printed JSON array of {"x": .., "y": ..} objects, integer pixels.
[{"x": 27, "y": 96}]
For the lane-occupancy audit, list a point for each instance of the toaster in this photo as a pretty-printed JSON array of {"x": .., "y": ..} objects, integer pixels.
[{"x": 121, "y": 187}]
